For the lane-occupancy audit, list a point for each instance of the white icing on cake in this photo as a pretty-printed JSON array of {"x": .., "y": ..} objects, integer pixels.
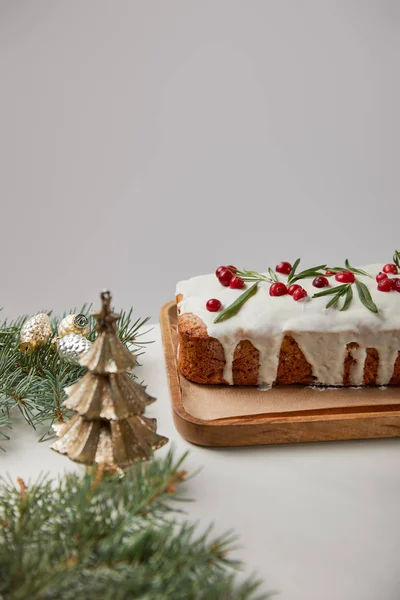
[{"x": 265, "y": 320}]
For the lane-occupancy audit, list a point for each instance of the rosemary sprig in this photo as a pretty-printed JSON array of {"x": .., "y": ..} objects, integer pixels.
[
  {"x": 313, "y": 272},
  {"x": 253, "y": 276},
  {"x": 356, "y": 271},
  {"x": 346, "y": 289},
  {"x": 396, "y": 258},
  {"x": 348, "y": 267},
  {"x": 336, "y": 293},
  {"x": 273, "y": 275},
  {"x": 233, "y": 308},
  {"x": 332, "y": 290},
  {"x": 365, "y": 296},
  {"x": 336, "y": 297},
  {"x": 348, "y": 299},
  {"x": 293, "y": 271}
]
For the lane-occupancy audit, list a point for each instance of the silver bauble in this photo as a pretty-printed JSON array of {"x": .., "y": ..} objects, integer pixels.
[{"x": 72, "y": 346}]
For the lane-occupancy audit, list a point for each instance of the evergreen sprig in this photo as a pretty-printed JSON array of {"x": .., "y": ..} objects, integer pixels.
[
  {"x": 97, "y": 536},
  {"x": 33, "y": 384}
]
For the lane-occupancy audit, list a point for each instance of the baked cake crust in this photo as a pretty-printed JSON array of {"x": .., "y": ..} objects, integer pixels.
[{"x": 202, "y": 357}]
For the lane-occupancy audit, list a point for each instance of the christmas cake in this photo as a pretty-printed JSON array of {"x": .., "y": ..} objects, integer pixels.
[{"x": 324, "y": 326}]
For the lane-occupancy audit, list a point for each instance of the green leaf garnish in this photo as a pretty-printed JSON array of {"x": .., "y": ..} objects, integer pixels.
[
  {"x": 272, "y": 274},
  {"x": 332, "y": 290},
  {"x": 356, "y": 271},
  {"x": 293, "y": 271},
  {"x": 348, "y": 299},
  {"x": 233, "y": 308},
  {"x": 396, "y": 258},
  {"x": 253, "y": 276},
  {"x": 348, "y": 267},
  {"x": 313, "y": 272},
  {"x": 365, "y": 296},
  {"x": 337, "y": 292},
  {"x": 336, "y": 298}
]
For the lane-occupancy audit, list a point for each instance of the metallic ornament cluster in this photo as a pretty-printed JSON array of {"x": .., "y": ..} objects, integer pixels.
[
  {"x": 70, "y": 342},
  {"x": 71, "y": 347},
  {"x": 35, "y": 333}
]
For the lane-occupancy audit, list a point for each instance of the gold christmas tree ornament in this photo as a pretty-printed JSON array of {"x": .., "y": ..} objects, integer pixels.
[
  {"x": 109, "y": 428},
  {"x": 72, "y": 346},
  {"x": 35, "y": 333},
  {"x": 76, "y": 324}
]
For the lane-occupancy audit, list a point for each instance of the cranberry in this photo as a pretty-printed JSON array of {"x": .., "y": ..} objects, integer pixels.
[
  {"x": 320, "y": 282},
  {"x": 381, "y": 276},
  {"x": 284, "y": 268},
  {"x": 299, "y": 294},
  {"x": 219, "y": 270},
  {"x": 213, "y": 305},
  {"x": 396, "y": 284},
  {"x": 225, "y": 277},
  {"x": 292, "y": 288},
  {"x": 390, "y": 268},
  {"x": 278, "y": 289},
  {"x": 345, "y": 277},
  {"x": 236, "y": 283},
  {"x": 385, "y": 285},
  {"x": 232, "y": 268},
  {"x": 329, "y": 272}
]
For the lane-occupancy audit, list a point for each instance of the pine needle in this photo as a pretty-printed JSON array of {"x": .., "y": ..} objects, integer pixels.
[
  {"x": 34, "y": 384},
  {"x": 101, "y": 536}
]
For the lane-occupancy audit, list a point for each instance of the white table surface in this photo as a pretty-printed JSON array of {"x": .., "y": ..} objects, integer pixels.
[{"x": 316, "y": 521}]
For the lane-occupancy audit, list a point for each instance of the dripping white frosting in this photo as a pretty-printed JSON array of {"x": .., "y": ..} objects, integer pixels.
[{"x": 322, "y": 334}]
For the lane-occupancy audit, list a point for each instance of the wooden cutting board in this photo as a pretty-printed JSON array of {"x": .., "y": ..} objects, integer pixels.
[{"x": 246, "y": 416}]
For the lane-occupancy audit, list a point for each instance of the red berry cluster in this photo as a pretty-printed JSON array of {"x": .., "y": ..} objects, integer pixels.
[
  {"x": 280, "y": 289},
  {"x": 226, "y": 276},
  {"x": 294, "y": 290},
  {"x": 386, "y": 284}
]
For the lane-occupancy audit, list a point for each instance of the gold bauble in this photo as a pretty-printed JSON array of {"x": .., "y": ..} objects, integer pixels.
[
  {"x": 35, "y": 333},
  {"x": 77, "y": 324}
]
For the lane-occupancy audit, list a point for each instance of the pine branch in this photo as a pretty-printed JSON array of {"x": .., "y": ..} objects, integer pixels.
[
  {"x": 105, "y": 537},
  {"x": 33, "y": 384}
]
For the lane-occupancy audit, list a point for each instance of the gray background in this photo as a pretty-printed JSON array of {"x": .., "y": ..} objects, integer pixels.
[{"x": 145, "y": 142}]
